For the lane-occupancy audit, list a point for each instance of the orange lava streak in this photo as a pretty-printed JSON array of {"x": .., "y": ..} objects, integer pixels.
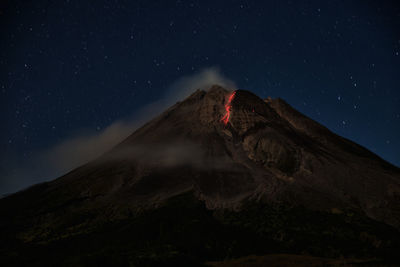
[{"x": 228, "y": 108}]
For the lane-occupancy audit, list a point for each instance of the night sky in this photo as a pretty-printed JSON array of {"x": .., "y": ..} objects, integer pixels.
[{"x": 73, "y": 66}]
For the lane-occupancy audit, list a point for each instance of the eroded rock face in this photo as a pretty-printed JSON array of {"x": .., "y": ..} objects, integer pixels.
[
  {"x": 267, "y": 151},
  {"x": 271, "y": 152}
]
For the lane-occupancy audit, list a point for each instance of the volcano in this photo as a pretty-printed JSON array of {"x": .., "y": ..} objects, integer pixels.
[{"x": 221, "y": 175}]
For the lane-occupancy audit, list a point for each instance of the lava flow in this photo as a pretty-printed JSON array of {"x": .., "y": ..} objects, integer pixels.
[{"x": 228, "y": 108}]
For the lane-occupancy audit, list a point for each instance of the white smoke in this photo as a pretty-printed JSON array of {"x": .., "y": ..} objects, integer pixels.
[
  {"x": 203, "y": 80},
  {"x": 88, "y": 145}
]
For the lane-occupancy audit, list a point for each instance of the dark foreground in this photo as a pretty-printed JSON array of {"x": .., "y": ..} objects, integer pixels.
[{"x": 184, "y": 233}]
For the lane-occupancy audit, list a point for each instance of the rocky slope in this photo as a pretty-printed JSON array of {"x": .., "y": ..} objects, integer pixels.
[{"x": 266, "y": 152}]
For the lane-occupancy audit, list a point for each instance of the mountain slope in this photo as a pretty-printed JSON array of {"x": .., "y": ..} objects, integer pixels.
[{"x": 233, "y": 156}]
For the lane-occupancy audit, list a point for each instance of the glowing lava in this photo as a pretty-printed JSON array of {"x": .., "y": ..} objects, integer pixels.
[{"x": 228, "y": 108}]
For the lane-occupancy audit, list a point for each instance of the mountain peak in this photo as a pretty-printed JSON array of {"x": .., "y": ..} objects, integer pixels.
[{"x": 261, "y": 150}]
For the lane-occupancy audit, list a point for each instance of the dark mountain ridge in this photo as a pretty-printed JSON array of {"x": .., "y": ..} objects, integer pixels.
[{"x": 268, "y": 162}]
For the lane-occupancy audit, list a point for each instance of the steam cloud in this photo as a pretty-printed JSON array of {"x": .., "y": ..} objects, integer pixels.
[
  {"x": 177, "y": 153},
  {"x": 80, "y": 149},
  {"x": 202, "y": 80}
]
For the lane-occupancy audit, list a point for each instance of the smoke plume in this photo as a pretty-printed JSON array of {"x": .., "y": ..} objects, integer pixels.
[{"x": 82, "y": 148}]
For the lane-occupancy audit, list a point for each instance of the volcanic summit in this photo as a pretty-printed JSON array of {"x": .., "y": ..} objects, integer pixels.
[{"x": 222, "y": 174}]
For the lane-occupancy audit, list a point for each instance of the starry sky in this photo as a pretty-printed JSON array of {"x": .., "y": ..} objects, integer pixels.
[{"x": 70, "y": 65}]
